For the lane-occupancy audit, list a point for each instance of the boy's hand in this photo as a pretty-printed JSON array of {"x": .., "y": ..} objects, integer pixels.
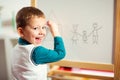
[{"x": 53, "y": 28}]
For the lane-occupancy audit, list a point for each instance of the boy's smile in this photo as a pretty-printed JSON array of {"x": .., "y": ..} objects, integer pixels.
[{"x": 38, "y": 40}]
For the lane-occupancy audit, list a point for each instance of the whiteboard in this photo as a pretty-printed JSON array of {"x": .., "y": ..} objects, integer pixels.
[{"x": 85, "y": 25}]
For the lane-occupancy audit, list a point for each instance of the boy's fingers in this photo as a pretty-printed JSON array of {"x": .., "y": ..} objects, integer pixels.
[{"x": 49, "y": 23}]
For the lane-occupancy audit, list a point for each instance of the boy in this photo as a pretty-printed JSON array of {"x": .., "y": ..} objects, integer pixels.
[{"x": 29, "y": 57}]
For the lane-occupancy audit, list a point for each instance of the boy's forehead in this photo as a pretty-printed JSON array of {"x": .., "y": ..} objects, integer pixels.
[{"x": 37, "y": 20}]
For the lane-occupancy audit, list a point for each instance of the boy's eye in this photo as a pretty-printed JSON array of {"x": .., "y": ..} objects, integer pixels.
[
  {"x": 44, "y": 27},
  {"x": 35, "y": 28}
]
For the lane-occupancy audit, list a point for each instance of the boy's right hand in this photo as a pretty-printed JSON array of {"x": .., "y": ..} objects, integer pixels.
[{"x": 53, "y": 28}]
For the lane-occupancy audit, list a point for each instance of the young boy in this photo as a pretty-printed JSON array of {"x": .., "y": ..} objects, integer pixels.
[{"x": 29, "y": 57}]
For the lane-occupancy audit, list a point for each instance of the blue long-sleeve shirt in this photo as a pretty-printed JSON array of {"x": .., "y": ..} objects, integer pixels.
[{"x": 41, "y": 55}]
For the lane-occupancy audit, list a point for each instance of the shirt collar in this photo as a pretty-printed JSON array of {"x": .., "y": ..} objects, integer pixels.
[{"x": 23, "y": 41}]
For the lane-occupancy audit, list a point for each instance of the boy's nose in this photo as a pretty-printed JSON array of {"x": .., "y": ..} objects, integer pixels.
[{"x": 41, "y": 31}]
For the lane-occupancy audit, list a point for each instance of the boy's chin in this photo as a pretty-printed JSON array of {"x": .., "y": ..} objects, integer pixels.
[{"x": 37, "y": 44}]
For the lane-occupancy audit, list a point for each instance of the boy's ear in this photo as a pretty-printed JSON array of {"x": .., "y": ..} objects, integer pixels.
[{"x": 20, "y": 31}]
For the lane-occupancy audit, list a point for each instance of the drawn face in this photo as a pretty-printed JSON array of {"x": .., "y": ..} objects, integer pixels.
[{"x": 35, "y": 32}]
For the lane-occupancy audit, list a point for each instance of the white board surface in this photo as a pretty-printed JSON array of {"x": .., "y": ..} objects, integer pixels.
[{"x": 85, "y": 25}]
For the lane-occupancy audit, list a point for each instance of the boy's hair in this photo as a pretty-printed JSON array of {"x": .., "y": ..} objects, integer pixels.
[{"x": 25, "y": 14}]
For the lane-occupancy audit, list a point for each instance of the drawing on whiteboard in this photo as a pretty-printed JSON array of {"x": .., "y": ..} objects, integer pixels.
[
  {"x": 76, "y": 34},
  {"x": 84, "y": 35},
  {"x": 94, "y": 33},
  {"x": 52, "y": 16}
]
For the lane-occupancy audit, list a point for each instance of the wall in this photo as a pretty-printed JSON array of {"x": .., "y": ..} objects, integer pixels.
[
  {"x": 8, "y": 36},
  {"x": 3, "y": 67}
]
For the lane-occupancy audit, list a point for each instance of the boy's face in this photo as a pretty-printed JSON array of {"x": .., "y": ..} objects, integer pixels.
[{"x": 35, "y": 32}]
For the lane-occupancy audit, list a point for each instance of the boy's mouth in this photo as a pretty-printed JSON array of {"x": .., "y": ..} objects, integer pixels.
[{"x": 38, "y": 39}]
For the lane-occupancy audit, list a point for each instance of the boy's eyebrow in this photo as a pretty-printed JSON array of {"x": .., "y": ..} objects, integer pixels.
[{"x": 37, "y": 26}]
